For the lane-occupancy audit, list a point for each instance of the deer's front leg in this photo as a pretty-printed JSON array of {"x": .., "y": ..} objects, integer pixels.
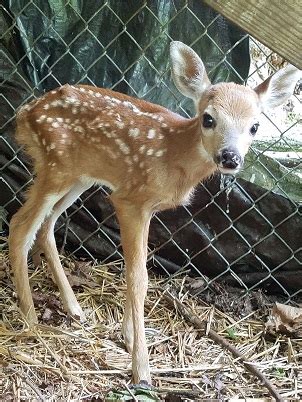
[
  {"x": 134, "y": 226},
  {"x": 127, "y": 327}
]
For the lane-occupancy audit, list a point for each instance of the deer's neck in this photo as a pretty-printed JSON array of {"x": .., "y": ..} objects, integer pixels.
[
  {"x": 188, "y": 163},
  {"x": 191, "y": 158}
]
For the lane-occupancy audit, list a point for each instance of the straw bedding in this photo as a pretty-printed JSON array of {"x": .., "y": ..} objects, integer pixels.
[{"x": 61, "y": 359}]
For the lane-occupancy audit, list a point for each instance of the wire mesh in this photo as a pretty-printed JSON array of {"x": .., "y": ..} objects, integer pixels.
[{"x": 263, "y": 63}]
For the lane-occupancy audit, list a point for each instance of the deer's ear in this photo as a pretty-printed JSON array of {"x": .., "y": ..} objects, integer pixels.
[
  {"x": 188, "y": 71},
  {"x": 277, "y": 88}
]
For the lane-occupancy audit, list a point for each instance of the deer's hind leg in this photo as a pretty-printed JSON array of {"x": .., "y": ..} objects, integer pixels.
[
  {"x": 46, "y": 243},
  {"x": 42, "y": 196}
]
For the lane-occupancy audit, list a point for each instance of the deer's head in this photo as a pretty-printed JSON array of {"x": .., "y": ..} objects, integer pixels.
[{"x": 228, "y": 112}]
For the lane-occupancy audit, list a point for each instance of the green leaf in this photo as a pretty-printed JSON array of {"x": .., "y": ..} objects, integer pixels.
[
  {"x": 231, "y": 333},
  {"x": 141, "y": 394}
]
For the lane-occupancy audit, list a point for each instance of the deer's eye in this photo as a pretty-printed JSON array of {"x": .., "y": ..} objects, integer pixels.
[
  {"x": 208, "y": 121},
  {"x": 254, "y": 128}
]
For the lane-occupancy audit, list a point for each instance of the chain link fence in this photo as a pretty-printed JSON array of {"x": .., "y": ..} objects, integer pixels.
[{"x": 130, "y": 55}]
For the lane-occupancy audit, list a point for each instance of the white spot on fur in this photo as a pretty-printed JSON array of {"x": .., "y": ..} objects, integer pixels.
[
  {"x": 49, "y": 119},
  {"x": 132, "y": 107},
  {"x": 55, "y": 124},
  {"x": 151, "y": 134},
  {"x": 26, "y": 107},
  {"x": 46, "y": 106},
  {"x": 72, "y": 100},
  {"x": 134, "y": 132},
  {"x": 121, "y": 145},
  {"x": 41, "y": 118},
  {"x": 56, "y": 103},
  {"x": 150, "y": 151},
  {"x": 159, "y": 153},
  {"x": 79, "y": 129},
  {"x": 142, "y": 149},
  {"x": 125, "y": 149},
  {"x": 120, "y": 124}
]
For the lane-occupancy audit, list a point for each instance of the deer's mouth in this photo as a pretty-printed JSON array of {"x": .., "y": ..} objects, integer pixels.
[{"x": 228, "y": 170}]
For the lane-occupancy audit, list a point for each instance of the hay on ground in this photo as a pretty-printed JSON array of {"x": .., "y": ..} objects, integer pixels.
[{"x": 61, "y": 359}]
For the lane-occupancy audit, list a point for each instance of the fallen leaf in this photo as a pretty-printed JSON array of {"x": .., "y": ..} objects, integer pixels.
[
  {"x": 51, "y": 305},
  {"x": 47, "y": 315},
  {"x": 85, "y": 267},
  {"x": 285, "y": 320},
  {"x": 77, "y": 281},
  {"x": 139, "y": 392},
  {"x": 79, "y": 275},
  {"x": 39, "y": 298},
  {"x": 196, "y": 285}
]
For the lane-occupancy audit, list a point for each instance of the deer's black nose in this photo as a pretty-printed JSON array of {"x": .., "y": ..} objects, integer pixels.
[{"x": 229, "y": 158}]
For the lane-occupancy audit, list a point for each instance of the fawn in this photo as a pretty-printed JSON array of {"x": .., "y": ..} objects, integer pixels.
[{"x": 151, "y": 158}]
